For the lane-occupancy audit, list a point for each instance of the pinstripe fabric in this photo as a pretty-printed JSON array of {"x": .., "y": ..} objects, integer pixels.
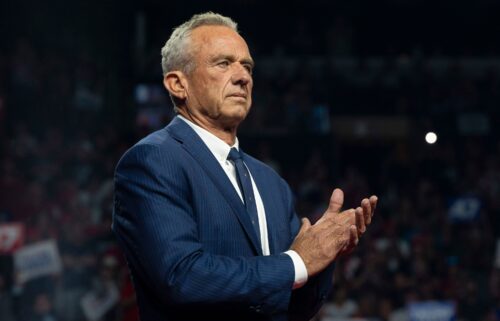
[{"x": 189, "y": 242}]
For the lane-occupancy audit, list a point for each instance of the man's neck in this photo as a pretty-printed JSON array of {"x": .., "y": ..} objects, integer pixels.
[{"x": 228, "y": 135}]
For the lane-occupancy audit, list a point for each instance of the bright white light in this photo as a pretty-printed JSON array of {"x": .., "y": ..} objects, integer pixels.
[{"x": 431, "y": 137}]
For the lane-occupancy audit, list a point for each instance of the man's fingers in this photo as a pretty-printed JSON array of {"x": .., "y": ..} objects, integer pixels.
[
  {"x": 367, "y": 210},
  {"x": 347, "y": 217},
  {"x": 373, "y": 204},
  {"x": 360, "y": 220},
  {"x": 354, "y": 238},
  {"x": 336, "y": 200}
]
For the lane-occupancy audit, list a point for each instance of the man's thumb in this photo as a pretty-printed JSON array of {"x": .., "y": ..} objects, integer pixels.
[
  {"x": 336, "y": 200},
  {"x": 306, "y": 224}
]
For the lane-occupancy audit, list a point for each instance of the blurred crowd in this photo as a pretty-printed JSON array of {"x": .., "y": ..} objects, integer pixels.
[{"x": 58, "y": 153}]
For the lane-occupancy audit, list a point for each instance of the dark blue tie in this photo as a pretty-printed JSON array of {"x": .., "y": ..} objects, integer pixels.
[{"x": 245, "y": 183}]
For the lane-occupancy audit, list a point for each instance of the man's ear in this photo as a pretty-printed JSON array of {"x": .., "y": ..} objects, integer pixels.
[{"x": 176, "y": 84}]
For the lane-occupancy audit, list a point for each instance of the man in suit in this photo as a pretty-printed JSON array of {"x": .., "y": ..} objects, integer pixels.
[{"x": 209, "y": 232}]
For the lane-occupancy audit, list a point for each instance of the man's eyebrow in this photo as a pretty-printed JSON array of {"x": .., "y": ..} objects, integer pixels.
[
  {"x": 222, "y": 56},
  {"x": 248, "y": 61}
]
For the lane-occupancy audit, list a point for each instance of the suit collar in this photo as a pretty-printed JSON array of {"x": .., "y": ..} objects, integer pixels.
[
  {"x": 219, "y": 148},
  {"x": 195, "y": 146}
]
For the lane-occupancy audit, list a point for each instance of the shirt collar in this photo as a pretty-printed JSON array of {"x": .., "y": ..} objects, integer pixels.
[{"x": 219, "y": 148}]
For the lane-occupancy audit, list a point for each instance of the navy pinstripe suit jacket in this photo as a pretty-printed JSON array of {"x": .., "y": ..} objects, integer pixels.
[{"x": 189, "y": 243}]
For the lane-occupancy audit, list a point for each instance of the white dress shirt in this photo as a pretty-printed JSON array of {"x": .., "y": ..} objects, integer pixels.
[{"x": 220, "y": 150}]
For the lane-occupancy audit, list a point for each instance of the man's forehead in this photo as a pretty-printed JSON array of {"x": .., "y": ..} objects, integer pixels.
[
  {"x": 217, "y": 40},
  {"x": 211, "y": 33}
]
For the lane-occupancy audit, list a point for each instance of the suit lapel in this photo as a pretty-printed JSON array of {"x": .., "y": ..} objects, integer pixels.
[{"x": 193, "y": 144}]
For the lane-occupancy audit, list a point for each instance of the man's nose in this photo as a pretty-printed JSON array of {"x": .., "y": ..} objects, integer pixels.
[{"x": 241, "y": 76}]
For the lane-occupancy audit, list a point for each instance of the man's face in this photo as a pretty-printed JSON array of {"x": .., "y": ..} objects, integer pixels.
[{"x": 220, "y": 86}]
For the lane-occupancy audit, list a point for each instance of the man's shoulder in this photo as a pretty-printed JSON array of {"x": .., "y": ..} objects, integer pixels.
[
  {"x": 160, "y": 138},
  {"x": 157, "y": 145}
]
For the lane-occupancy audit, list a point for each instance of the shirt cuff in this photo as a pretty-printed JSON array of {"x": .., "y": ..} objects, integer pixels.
[{"x": 300, "y": 269}]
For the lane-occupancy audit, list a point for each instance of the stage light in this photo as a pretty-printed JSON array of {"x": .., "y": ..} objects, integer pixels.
[{"x": 431, "y": 137}]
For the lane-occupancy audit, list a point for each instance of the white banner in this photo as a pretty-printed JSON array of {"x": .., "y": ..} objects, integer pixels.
[
  {"x": 11, "y": 237},
  {"x": 432, "y": 311},
  {"x": 36, "y": 260},
  {"x": 95, "y": 305},
  {"x": 464, "y": 209}
]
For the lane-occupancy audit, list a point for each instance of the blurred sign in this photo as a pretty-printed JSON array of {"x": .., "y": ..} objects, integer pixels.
[
  {"x": 152, "y": 104},
  {"x": 432, "y": 311},
  {"x": 464, "y": 209},
  {"x": 36, "y": 260},
  {"x": 96, "y": 304},
  {"x": 11, "y": 237}
]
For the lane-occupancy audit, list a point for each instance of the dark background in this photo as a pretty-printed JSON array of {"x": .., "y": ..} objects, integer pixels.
[{"x": 344, "y": 94}]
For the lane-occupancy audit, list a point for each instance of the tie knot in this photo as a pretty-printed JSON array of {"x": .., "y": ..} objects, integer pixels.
[{"x": 234, "y": 155}]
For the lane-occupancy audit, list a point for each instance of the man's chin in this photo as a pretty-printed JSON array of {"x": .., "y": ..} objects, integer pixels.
[{"x": 233, "y": 119}]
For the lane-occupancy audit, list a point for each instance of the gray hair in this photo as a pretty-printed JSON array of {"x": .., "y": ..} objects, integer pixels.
[{"x": 176, "y": 55}]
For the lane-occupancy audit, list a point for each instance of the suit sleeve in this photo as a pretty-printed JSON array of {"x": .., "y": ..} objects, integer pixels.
[
  {"x": 154, "y": 224},
  {"x": 307, "y": 300}
]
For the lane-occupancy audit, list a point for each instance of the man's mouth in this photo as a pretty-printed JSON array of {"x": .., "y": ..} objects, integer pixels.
[{"x": 239, "y": 95}]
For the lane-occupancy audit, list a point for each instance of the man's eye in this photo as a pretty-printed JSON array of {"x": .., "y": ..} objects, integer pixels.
[
  {"x": 223, "y": 63},
  {"x": 248, "y": 68}
]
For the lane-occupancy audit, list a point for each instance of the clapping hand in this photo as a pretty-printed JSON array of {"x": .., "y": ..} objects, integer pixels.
[{"x": 335, "y": 233}]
